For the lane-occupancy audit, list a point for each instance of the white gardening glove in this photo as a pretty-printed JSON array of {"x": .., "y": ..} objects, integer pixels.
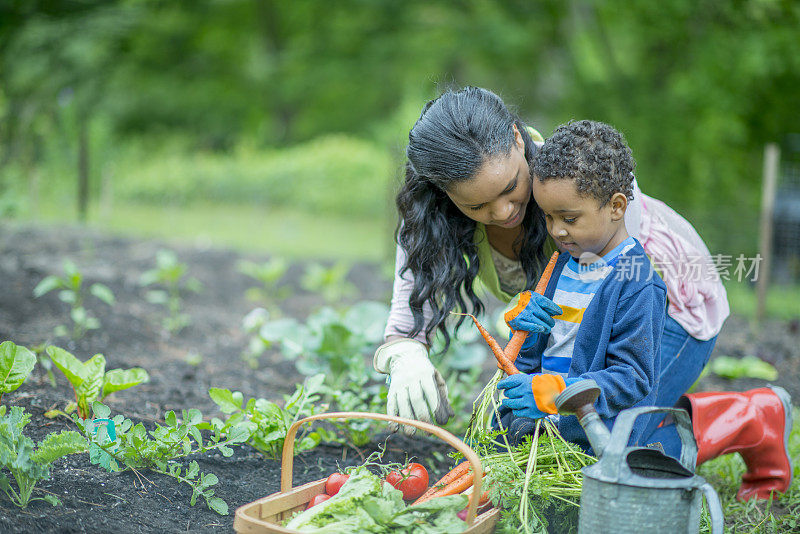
[{"x": 416, "y": 389}]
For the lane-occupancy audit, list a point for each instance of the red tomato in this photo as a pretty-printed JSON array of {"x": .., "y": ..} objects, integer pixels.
[
  {"x": 412, "y": 480},
  {"x": 322, "y": 497},
  {"x": 335, "y": 482}
]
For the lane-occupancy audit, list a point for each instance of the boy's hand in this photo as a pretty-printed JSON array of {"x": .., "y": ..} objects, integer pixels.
[
  {"x": 533, "y": 395},
  {"x": 531, "y": 312}
]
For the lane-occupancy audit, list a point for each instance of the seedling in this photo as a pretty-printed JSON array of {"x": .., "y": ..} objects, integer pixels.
[
  {"x": 269, "y": 421},
  {"x": 137, "y": 448},
  {"x": 26, "y": 464},
  {"x": 89, "y": 379},
  {"x": 331, "y": 341},
  {"x": 169, "y": 273},
  {"x": 329, "y": 282},
  {"x": 16, "y": 363},
  {"x": 269, "y": 274},
  {"x": 252, "y": 324},
  {"x": 358, "y": 396},
  {"x": 337, "y": 343},
  {"x": 71, "y": 292}
]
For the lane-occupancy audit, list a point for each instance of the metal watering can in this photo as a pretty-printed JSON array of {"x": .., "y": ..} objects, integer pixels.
[{"x": 637, "y": 489}]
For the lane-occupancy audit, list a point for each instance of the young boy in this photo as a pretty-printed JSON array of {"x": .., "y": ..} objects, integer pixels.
[
  {"x": 612, "y": 307},
  {"x": 612, "y": 304}
]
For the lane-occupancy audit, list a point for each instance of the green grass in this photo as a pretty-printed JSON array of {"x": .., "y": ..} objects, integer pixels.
[
  {"x": 782, "y": 514},
  {"x": 783, "y": 302},
  {"x": 284, "y": 232}
]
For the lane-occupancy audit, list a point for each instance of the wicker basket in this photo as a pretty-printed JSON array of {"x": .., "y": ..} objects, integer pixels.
[{"x": 266, "y": 514}]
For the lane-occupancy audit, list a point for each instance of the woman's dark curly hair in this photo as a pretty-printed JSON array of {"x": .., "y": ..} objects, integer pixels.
[
  {"x": 453, "y": 136},
  {"x": 591, "y": 153}
]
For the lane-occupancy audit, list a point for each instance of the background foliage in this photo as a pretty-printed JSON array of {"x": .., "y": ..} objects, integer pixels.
[{"x": 305, "y": 105}]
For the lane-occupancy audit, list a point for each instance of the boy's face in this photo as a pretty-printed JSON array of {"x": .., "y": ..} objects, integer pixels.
[{"x": 578, "y": 223}]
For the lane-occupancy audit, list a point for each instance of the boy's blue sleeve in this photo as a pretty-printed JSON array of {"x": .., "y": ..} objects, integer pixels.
[
  {"x": 633, "y": 352},
  {"x": 530, "y": 360}
]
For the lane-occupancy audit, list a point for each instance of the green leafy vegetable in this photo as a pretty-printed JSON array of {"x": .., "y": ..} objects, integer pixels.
[
  {"x": 90, "y": 380},
  {"x": 26, "y": 464},
  {"x": 365, "y": 503},
  {"x": 16, "y": 363},
  {"x": 269, "y": 422}
]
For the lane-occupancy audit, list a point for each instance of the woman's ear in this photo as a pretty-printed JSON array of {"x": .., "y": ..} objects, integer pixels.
[
  {"x": 518, "y": 138},
  {"x": 619, "y": 203}
]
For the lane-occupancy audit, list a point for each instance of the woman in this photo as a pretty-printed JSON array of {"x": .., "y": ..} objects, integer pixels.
[{"x": 466, "y": 214}]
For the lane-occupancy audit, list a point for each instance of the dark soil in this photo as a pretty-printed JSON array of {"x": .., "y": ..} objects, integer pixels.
[{"x": 132, "y": 335}]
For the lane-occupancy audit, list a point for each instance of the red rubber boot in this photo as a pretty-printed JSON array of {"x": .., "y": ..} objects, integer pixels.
[{"x": 754, "y": 423}]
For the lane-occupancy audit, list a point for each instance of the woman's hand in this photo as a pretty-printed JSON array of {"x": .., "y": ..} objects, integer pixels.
[
  {"x": 531, "y": 312},
  {"x": 416, "y": 389},
  {"x": 533, "y": 395}
]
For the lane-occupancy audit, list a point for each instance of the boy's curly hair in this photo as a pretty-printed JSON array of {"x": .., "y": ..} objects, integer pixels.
[{"x": 591, "y": 153}]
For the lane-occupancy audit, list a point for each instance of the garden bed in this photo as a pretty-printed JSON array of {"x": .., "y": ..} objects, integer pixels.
[{"x": 183, "y": 366}]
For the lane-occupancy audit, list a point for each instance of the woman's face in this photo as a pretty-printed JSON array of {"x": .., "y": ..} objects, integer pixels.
[{"x": 500, "y": 191}]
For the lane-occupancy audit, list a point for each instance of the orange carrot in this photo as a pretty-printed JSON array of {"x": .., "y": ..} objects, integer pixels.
[
  {"x": 546, "y": 274},
  {"x": 484, "y": 496},
  {"x": 458, "y": 485},
  {"x": 453, "y": 474},
  {"x": 518, "y": 338},
  {"x": 502, "y": 361},
  {"x": 514, "y": 345}
]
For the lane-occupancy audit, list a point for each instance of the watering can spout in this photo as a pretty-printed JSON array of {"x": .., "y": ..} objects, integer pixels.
[{"x": 578, "y": 399}]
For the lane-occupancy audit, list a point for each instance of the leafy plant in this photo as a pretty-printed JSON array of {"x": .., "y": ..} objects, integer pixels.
[
  {"x": 365, "y": 503},
  {"x": 269, "y": 421},
  {"x": 252, "y": 324},
  {"x": 747, "y": 367},
  {"x": 71, "y": 292},
  {"x": 26, "y": 464},
  {"x": 136, "y": 448},
  {"x": 89, "y": 379},
  {"x": 358, "y": 395},
  {"x": 534, "y": 482},
  {"x": 269, "y": 274},
  {"x": 169, "y": 273},
  {"x": 332, "y": 342},
  {"x": 329, "y": 282},
  {"x": 16, "y": 363}
]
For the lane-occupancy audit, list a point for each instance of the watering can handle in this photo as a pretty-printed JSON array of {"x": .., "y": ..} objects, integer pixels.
[
  {"x": 714, "y": 508},
  {"x": 623, "y": 426}
]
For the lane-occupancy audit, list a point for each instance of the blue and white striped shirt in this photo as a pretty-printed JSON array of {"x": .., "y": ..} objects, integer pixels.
[{"x": 575, "y": 289}]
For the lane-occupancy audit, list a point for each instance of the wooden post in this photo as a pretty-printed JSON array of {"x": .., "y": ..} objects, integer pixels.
[
  {"x": 771, "y": 159},
  {"x": 83, "y": 167}
]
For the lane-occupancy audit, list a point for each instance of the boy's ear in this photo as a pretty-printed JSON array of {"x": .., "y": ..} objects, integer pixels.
[{"x": 619, "y": 204}]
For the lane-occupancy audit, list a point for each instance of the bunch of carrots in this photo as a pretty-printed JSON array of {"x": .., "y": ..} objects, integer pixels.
[
  {"x": 461, "y": 478},
  {"x": 508, "y": 355}
]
